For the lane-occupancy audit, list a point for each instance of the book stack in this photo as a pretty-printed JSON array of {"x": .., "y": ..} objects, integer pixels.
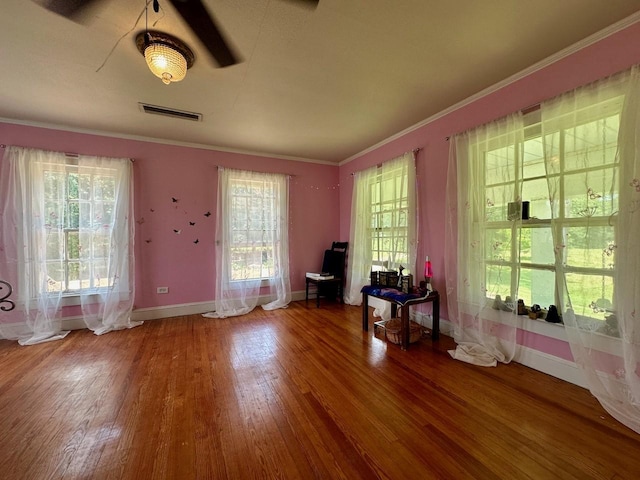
[{"x": 319, "y": 276}]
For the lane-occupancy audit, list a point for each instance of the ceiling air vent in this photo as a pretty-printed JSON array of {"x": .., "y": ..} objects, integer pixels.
[{"x": 170, "y": 112}]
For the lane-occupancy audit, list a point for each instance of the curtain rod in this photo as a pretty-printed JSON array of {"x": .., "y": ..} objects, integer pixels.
[
  {"x": 526, "y": 110},
  {"x": 256, "y": 171},
  {"x": 66, "y": 154},
  {"x": 415, "y": 152}
]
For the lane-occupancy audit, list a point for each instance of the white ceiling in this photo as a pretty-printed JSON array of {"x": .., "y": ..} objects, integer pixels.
[{"x": 319, "y": 84}]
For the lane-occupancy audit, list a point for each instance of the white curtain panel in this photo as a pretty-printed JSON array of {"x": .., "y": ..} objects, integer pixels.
[
  {"x": 592, "y": 156},
  {"x": 252, "y": 242},
  {"x": 579, "y": 167},
  {"x": 479, "y": 261},
  {"x": 396, "y": 180},
  {"x": 35, "y": 212},
  {"x": 359, "y": 265}
]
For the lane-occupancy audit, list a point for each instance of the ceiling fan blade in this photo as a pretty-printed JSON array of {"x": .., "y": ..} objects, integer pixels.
[
  {"x": 67, "y": 8},
  {"x": 203, "y": 25}
]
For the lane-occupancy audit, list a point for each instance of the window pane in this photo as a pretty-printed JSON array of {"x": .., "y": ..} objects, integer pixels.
[
  {"x": 500, "y": 165},
  {"x": 536, "y": 246},
  {"x": 100, "y": 244},
  {"x": 73, "y": 245},
  {"x": 591, "y": 194},
  {"x": 592, "y": 144},
  {"x": 537, "y": 286},
  {"x": 72, "y": 186},
  {"x": 73, "y": 215},
  {"x": 497, "y": 201},
  {"x": 498, "y": 244},
  {"x": 54, "y": 183},
  {"x": 533, "y": 162},
  {"x": 536, "y": 192},
  {"x": 590, "y": 247},
  {"x": 591, "y": 295},
  {"x": 498, "y": 278},
  {"x": 85, "y": 220},
  {"x": 85, "y": 274},
  {"x": 267, "y": 263},
  {"x": 54, "y": 245},
  {"x": 54, "y": 214},
  {"x": 55, "y": 279},
  {"x": 73, "y": 275},
  {"x": 104, "y": 188},
  {"x": 84, "y": 187},
  {"x": 100, "y": 274}
]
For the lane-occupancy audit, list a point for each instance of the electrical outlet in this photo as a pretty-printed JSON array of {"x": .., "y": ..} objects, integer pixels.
[{"x": 162, "y": 290}]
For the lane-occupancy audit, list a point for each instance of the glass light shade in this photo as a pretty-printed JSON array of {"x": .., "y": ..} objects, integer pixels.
[
  {"x": 428, "y": 272},
  {"x": 165, "y": 62}
]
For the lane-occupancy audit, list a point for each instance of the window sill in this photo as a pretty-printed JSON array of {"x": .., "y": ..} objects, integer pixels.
[
  {"x": 596, "y": 341},
  {"x": 75, "y": 299},
  {"x": 264, "y": 282}
]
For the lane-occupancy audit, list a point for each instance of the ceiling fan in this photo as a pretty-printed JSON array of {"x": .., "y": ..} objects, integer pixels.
[{"x": 194, "y": 13}]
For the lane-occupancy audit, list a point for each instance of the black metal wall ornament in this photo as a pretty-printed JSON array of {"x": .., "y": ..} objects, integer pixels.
[{"x": 4, "y": 298}]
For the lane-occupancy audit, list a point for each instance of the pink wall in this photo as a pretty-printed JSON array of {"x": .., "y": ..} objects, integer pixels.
[
  {"x": 612, "y": 54},
  {"x": 164, "y": 258},
  {"x": 318, "y": 192}
]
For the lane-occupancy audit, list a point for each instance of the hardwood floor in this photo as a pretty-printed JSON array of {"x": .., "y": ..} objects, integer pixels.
[{"x": 300, "y": 393}]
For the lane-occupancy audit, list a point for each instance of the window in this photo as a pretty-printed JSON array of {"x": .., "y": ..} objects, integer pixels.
[
  {"x": 253, "y": 223},
  {"x": 79, "y": 205},
  {"x": 69, "y": 240},
  {"x": 573, "y": 200},
  {"x": 252, "y": 242},
  {"x": 383, "y": 222},
  {"x": 389, "y": 210}
]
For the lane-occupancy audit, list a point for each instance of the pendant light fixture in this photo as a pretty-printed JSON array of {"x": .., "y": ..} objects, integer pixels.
[{"x": 167, "y": 57}]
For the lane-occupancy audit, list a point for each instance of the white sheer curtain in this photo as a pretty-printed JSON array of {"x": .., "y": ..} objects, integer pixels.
[
  {"x": 252, "y": 241},
  {"x": 481, "y": 250},
  {"x": 592, "y": 156},
  {"x": 385, "y": 198},
  {"x": 67, "y": 233},
  {"x": 360, "y": 258}
]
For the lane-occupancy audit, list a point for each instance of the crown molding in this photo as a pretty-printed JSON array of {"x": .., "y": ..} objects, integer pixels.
[
  {"x": 141, "y": 138},
  {"x": 566, "y": 52}
]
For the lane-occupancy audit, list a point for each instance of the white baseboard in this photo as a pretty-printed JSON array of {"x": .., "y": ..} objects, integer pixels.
[
  {"x": 166, "y": 311},
  {"x": 543, "y": 362},
  {"x": 551, "y": 365}
]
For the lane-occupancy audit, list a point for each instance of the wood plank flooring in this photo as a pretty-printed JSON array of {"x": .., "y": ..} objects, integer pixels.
[{"x": 300, "y": 393}]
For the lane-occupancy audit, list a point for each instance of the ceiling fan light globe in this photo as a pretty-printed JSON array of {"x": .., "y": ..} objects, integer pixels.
[{"x": 165, "y": 62}]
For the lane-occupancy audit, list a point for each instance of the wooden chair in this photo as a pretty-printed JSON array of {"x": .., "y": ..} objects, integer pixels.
[{"x": 333, "y": 263}]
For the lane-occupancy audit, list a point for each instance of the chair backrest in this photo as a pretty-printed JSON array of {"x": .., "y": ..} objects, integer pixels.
[
  {"x": 341, "y": 246},
  {"x": 334, "y": 262}
]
